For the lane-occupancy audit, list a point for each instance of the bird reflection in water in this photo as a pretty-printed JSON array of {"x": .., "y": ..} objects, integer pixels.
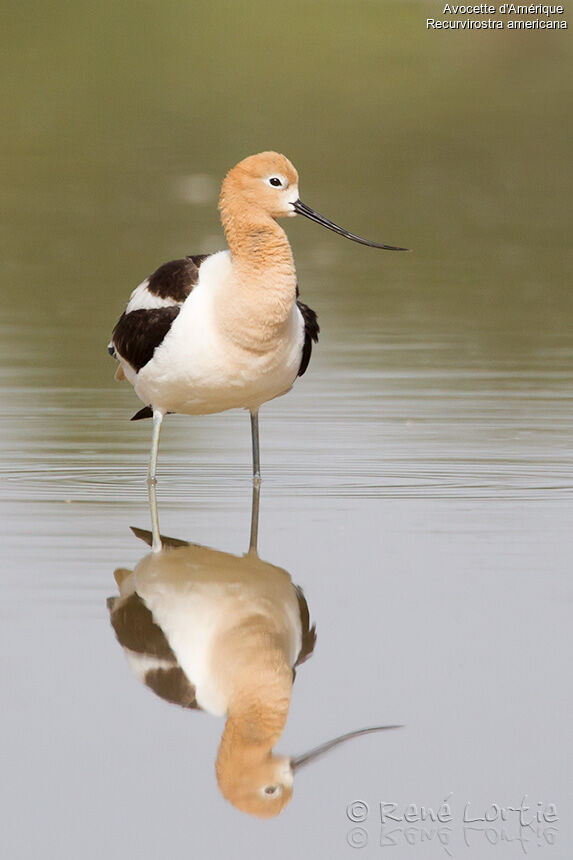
[{"x": 223, "y": 633}]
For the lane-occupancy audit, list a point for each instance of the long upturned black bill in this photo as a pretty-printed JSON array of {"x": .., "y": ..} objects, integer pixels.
[
  {"x": 315, "y": 753},
  {"x": 302, "y": 209}
]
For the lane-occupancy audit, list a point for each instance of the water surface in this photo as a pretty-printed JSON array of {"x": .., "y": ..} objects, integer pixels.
[{"x": 417, "y": 481}]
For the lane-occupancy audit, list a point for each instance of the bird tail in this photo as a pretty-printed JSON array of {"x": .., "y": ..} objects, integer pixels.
[{"x": 146, "y": 412}]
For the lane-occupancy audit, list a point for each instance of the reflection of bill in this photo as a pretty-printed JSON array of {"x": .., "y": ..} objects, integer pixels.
[{"x": 222, "y": 633}]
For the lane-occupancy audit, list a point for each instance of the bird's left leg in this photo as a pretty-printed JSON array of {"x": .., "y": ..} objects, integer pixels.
[{"x": 152, "y": 480}]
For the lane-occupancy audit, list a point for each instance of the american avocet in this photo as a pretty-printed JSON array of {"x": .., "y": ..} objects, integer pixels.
[
  {"x": 226, "y": 330},
  {"x": 222, "y": 633}
]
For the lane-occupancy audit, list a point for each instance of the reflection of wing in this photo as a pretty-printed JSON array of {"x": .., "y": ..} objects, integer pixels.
[
  {"x": 149, "y": 651},
  {"x": 308, "y": 633}
]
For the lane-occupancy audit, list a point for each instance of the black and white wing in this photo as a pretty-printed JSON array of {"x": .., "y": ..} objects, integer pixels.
[
  {"x": 311, "y": 332},
  {"x": 151, "y": 310}
]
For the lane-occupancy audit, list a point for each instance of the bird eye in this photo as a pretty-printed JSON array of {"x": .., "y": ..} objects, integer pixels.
[
  {"x": 274, "y": 180},
  {"x": 270, "y": 790}
]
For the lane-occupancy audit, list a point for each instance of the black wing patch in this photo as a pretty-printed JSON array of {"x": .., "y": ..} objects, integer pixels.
[
  {"x": 311, "y": 330},
  {"x": 138, "y": 333},
  {"x": 176, "y": 279}
]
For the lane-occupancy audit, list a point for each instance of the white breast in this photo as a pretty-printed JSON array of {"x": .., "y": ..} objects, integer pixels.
[{"x": 197, "y": 369}]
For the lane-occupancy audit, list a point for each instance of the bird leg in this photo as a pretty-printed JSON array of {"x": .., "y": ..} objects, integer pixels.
[
  {"x": 152, "y": 480},
  {"x": 255, "y": 441},
  {"x": 256, "y": 483},
  {"x": 255, "y": 518}
]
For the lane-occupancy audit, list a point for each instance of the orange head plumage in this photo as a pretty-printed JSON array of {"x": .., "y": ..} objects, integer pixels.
[
  {"x": 264, "y": 187},
  {"x": 265, "y": 184}
]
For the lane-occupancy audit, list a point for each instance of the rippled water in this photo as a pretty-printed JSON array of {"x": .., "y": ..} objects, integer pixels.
[{"x": 417, "y": 481}]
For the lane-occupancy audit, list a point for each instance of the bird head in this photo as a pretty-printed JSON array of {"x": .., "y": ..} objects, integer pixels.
[
  {"x": 267, "y": 182},
  {"x": 267, "y": 185}
]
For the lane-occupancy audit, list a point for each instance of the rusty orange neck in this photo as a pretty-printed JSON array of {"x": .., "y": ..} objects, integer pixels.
[{"x": 255, "y": 308}]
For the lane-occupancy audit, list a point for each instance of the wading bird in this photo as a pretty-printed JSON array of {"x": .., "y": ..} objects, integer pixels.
[
  {"x": 221, "y": 331},
  {"x": 224, "y": 634}
]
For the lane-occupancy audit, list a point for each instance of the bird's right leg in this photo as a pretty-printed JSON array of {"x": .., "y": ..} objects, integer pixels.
[
  {"x": 256, "y": 482},
  {"x": 152, "y": 480}
]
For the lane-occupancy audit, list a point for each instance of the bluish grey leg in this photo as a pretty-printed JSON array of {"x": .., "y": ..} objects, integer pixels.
[
  {"x": 255, "y": 517},
  {"x": 152, "y": 480},
  {"x": 256, "y": 482},
  {"x": 255, "y": 441}
]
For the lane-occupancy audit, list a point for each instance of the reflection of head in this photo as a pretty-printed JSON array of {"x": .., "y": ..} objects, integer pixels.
[{"x": 262, "y": 788}]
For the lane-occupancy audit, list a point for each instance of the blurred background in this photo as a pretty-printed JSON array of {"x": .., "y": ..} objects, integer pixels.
[{"x": 417, "y": 481}]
